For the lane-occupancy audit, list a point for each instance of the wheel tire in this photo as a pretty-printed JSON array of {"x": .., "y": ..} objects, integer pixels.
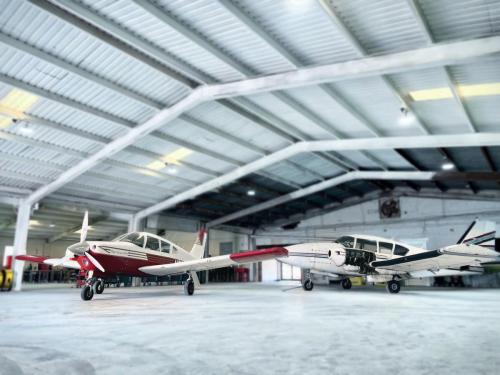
[
  {"x": 393, "y": 286},
  {"x": 87, "y": 293},
  {"x": 98, "y": 287},
  {"x": 346, "y": 284},
  {"x": 189, "y": 288},
  {"x": 308, "y": 285}
]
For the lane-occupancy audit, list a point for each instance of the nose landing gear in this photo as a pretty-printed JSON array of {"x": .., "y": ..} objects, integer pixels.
[
  {"x": 87, "y": 293},
  {"x": 92, "y": 286}
]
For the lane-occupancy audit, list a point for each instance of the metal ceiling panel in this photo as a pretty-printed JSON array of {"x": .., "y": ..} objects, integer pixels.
[
  {"x": 381, "y": 26},
  {"x": 462, "y": 19}
]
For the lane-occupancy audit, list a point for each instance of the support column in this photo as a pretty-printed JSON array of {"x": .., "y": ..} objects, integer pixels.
[
  {"x": 20, "y": 242},
  {"x": 135, "y": 224}
]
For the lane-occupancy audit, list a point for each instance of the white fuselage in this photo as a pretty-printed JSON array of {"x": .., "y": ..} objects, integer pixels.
[{"x": 329, "y": 257}]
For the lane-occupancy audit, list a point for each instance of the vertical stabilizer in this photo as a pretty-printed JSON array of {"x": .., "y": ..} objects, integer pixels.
[
  {"x": 481, "y": 233},
  {"x": 199, "y": 246}
]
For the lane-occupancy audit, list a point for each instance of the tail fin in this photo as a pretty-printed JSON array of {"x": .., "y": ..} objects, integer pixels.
[
  {"x": 199, "y": 246},
  {"x": 481, "y": 233}
]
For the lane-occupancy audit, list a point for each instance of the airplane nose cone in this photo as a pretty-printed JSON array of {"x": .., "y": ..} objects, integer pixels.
[{"x": 79, "y": 248}]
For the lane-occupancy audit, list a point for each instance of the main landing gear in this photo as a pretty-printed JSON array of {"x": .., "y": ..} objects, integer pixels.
[
  {"x": 346, "y": 283},
  {"x": 189, "y": 286},
  {"x": 393, "y": 286},
  {"x": 308, "y": 285},
  {"x": 92, "y": 286}
]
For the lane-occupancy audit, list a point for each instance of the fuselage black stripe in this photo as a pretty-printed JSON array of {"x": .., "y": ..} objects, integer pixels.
[{"x": 407, "y": 259}]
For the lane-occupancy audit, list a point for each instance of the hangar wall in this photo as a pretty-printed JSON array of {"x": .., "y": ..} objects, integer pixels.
[{"x": 440, "y": 221}]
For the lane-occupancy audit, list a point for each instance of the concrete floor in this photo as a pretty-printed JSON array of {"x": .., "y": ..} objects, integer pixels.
[{"x": 251, "y": 329}]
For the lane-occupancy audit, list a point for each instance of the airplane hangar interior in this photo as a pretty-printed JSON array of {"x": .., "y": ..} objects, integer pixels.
[{"x": 249, "y": 186}]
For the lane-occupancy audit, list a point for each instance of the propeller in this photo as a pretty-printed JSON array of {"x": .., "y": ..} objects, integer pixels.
[
  {"x": 85, "y": 227},
  {"x": 94, "y": 261}
]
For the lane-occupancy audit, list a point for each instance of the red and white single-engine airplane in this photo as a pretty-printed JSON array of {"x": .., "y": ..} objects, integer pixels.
[{"x": 144, "y": 254}]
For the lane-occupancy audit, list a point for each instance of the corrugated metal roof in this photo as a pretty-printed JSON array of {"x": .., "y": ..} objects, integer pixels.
[
  {"x": 230, "y": 47},
  {"x": 462, "y": 19},
  {"x": 381, "y": 26}
]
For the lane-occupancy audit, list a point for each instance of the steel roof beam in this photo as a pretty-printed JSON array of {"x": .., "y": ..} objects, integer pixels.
[
  {"x": 426, "y": 30},
  {"x": 430, "y": 56},
  {"x": 432, "y": 141},
  {"x": 296, "y": 63},
  {"x": 352, "y": 176},
  {"x": 203, "y": 43},
  {"x": 83, "y": 155}
]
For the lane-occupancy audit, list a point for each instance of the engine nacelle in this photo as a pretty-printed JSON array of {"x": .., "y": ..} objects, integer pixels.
[{"x": 337, "y": 255}]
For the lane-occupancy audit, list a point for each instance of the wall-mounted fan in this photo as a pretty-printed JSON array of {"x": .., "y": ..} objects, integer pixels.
[{"x": 389, "y": 208}]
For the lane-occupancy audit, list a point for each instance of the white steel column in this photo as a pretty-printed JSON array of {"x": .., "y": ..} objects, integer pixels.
[{"x": 20, "y": 241}]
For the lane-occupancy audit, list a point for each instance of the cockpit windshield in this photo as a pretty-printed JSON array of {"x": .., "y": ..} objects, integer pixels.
[
  {"x": 135, "y": 238},
  {"x": 346, "y": 241}
]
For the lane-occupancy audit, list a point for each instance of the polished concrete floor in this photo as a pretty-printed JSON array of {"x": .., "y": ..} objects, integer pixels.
[{"x": 251, "y": 329}]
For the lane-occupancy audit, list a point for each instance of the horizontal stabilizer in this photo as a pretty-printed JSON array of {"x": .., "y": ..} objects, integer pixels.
[{"x": 31, "y": 258}]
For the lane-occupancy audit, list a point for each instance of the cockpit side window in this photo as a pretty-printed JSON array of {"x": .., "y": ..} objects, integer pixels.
[
  {"x": 346, "y": 241},
  {"x": 366, "y": 245},
  {"x": 400, "y": 250},
  {"x": 135, "y": 238},
  {"x": 385, "y": 247},
  {"x": 153, "y": 243},
  {"x": 165, "y": 247}
]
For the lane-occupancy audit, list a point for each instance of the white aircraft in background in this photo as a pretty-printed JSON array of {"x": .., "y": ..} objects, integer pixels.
[
  {"x": 382, "y": 260},
  {"x": 144, "y": 254}
]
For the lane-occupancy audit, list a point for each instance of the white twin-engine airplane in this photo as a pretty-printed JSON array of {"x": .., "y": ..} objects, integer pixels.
[
  {"x": 143, "y": 254},
  {"x": 383, "y": 260}
]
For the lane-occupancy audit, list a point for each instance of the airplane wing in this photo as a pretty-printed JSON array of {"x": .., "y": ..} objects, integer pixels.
[
  {"x": 215, "y": 262},
  {"x": 63, "y": 262},
  {"x": 455, "y": 256}
]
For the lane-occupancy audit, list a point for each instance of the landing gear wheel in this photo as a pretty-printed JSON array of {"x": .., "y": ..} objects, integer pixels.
[
  {"x": 189, "y": 287},
  {"x": 98, "y": 287},
  {"x": 346, "y": 283},
  {"x": 308, "y": 285},
  {"x": 87, "y": 293},
  {"x": 393, "y": 286}
]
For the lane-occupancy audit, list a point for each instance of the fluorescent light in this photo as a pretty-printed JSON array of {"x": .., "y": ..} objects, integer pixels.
[
  {"x": 251, "y": 192},
  {"x": 431, "y": 94},
  {"x": 172, "y": 158},
  {"x": 156, "y": 165},
  {"x": 177, "y": 155},
  {"x": 5, "y": 122},
  {"x": 18, "y": 100},
  {"x": 447, "y": 166},
  {"x": 439, "y": 93},
  {"x": 485, "y": 89},
  {"x": 52, "y": 225},
  {"x": 34, "y": 223}
]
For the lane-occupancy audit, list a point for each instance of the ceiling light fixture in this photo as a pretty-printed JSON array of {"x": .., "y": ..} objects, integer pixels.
[
  {"x": 251, "y": 192},
  {"x": 26, "y": 130},
  {"x": 447, "y": 166},
  {"x": 171, "y": 169},
  {"x": 406, "y": 117}
]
